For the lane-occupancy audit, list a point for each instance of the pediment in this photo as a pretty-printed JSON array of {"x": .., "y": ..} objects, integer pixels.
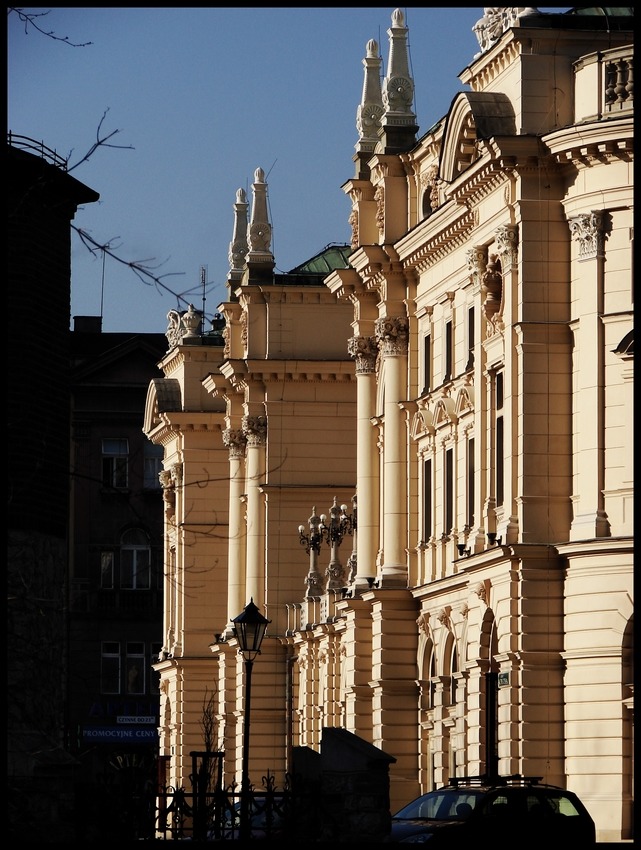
[{"x": 473, "y": 116}]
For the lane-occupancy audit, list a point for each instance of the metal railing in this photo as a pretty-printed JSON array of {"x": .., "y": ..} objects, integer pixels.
[{"x": 39, "y": 148}]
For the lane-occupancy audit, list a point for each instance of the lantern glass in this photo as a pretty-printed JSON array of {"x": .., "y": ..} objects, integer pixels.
[{"x": 250, "y": 628}]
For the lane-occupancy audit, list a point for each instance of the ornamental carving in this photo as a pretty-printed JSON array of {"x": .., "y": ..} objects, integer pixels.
[
  {"x": 335, "y": 573},
  {"x": 235, "y": 440},
  {"x": 392, "y": 334},
  {"x": 495, "y": 21},
  {"x": 423, "y": 623},
  {"x": 492, "y": 287},
  {"x": 429, "y": 180},
  {"x": 260, "y": 236},
  {"x": 379, "y": 197},
  {"x": 168, "y": 494},
  {"x": 182, "y": 324},
  {"x": 314, "y": 582},
  {"x": 255, "y": 430},
  {"x": 443, "y": 616},
  {"x": 353, "y": 222},
  {"x": 588, "y": 230},
  {"x": 364, "y": 350},
  {"x": 507, "y": 241},
  {"x": 398, "y": 94},
  {"x": 476, "y": 261},
  {"x": 243, "y": 328}
]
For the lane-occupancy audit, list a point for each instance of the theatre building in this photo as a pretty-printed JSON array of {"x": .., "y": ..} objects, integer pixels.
[{"x": 441, "y": 414}]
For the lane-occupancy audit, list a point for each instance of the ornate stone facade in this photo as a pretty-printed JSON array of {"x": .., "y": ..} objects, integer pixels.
[{"x": 469, "y": 377}]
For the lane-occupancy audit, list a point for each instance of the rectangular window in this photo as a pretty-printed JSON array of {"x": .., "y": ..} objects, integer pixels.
[
  {"x": 448, "y": 352},
  {"x": 135, "y": 572},
  {"x": 135, "y": 668},
  {"x": 115, "y": 465},
  {"x": 110, "y": 668},
  {"x": 500, "y": 447},
  {"x": 449, "y": 490},
  {"x": 470, "y": 339},
  {"x": 427, "y": 363},
  {"x": 107, "y": 570},
  {"x": 427, "y": 500},
  {"x": 153, "y": 465},
  {"x": 469, "y": 521}
]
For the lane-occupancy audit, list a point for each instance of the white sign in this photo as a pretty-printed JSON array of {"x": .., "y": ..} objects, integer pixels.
[{"x": 127, "y": 719}]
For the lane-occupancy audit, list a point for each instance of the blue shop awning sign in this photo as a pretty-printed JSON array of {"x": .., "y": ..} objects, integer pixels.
[{"x": 121, "y": 734}]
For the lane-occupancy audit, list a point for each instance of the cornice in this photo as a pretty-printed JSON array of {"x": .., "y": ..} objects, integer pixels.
[
  {"x": 301, "y": 371},
  {"x": 593, "y": 144},
  {"x": 344, "y": 283},
  {"x": 418, "y": 250},
  {"x": 194, "y": 421}
]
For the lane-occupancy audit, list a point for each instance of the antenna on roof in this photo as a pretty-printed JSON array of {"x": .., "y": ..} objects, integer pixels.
[{"x": 203, "y": 283}]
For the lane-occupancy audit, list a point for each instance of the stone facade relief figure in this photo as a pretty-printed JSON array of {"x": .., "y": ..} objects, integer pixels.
[
  {"x": 495, "y": 21},
  {"x": 492, "y": 287}
]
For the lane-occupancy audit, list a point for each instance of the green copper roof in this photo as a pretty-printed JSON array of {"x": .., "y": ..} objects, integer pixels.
[{"x": 331, "y": 257}]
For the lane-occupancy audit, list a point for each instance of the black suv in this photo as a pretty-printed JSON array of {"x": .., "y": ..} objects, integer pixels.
[{"x": 505, "y": 811}]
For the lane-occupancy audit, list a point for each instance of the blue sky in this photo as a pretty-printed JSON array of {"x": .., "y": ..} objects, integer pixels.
[{"x": 200, "y": 98}]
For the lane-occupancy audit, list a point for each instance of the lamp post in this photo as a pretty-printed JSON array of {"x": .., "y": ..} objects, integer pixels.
[
  {"x": 332, "y": 532},
  {"x": 249, "y": 629}
]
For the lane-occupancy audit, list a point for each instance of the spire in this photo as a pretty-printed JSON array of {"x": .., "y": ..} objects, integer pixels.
[
  {"x": 260, "y": 258},
  {"x": 370, "y": 110},
  {"x": 238, "y": 246},
  {"x": 399, "y": 127}
]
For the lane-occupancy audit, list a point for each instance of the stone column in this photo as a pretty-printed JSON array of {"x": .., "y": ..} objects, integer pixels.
[
  {"x": 590, "y": 519},
  {"x": 392, "y": 336},
  {"x": 507, "y": 242},
  {"x": 236, "y": 442},
  {"x": 364, "y": 350},
  {"x": 255, "y": 431}
]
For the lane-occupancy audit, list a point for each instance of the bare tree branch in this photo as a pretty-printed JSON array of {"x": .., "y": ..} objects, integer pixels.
[
  {"x": 30, "y": 19},
  {"x": 99, "y": 143},
  {"x": 143, "y": 269}
]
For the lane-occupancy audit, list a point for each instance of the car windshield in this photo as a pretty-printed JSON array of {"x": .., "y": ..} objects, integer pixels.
[{"x": 441, "y": 805}]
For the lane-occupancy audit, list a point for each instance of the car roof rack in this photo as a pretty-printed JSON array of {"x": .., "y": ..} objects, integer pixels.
[{"x": 486, "y": 779}]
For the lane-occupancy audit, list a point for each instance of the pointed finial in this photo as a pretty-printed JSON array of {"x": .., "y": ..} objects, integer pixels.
[
  {"x": 399, "y": 121},
  {"x": 238, "y": 247},
  {"x": 260, "y": 260},
  {"x": 370, "y": 110}
]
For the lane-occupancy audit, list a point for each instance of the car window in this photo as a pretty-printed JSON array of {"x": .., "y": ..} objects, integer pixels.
[
  {"x": 562, "y": 804},
  {"x": 441, "y": 805}
]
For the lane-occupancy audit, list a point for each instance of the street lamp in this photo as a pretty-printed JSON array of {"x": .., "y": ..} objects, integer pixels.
[
  {"x": 331, "y": 530},
  {"x": 249, "y": 629}
]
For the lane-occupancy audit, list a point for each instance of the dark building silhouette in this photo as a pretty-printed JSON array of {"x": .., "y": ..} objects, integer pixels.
[
  {"x": 42, "y": 199},
  {"x": 115, "y": 610},
  {"x": 85, "y": 519}
]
